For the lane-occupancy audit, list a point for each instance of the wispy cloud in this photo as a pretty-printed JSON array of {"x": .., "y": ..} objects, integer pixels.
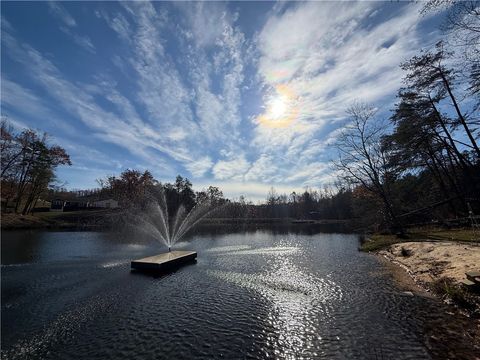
[
  {"x": 173, "y": 91},
  {"x": 199, "y": 167},
  {"x": 78, "y": 101},
  {"x": 203, "y": 102},
  {"x": 233, "y": 169},
  {"x": 61, "y": 13},
  {"x": 82, "y": 41},
  {"x": 168, "y": 123},
  {"x": 17, "y": 99},
  {"x": 69, "y": 24},
  {"x": 22, "y": 99},
  {"x": 117, "y": 23},
  {"x": 329, "y": 54}
]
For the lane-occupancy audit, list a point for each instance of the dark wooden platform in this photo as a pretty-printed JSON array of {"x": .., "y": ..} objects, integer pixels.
[
  {"x": 164, "y": 262},
  {"x": 472, "y": 281}
]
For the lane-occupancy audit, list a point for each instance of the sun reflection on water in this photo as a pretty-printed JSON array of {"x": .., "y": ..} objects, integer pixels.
[{"x": 299, "y": 301}]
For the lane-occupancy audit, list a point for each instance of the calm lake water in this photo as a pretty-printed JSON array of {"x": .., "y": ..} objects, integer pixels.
[{"x": 251, "y": 294}]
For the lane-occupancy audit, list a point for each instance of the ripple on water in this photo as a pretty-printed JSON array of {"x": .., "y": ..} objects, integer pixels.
[
  {"x": 297, "y": 300},
  {"x": 277, "y": 250},
  {"x": 228, "y": 248},
  {"x": 255, "y": 295},
  {"x": 61, "y": 330},
  {"x": 114, "y": 264}
]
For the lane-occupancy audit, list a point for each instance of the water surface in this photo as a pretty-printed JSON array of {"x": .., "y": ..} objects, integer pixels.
[{"x": 256, "y": 294}]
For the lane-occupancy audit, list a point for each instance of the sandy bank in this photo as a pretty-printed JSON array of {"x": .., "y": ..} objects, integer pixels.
[{"x": 427, "y": 262}]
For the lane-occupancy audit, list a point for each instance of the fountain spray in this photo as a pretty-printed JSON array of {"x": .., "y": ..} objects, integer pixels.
[{"x": 154, "y": 218}]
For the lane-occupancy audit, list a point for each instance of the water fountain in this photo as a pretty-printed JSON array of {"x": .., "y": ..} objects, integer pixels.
[{"x": 153, "y": 219}]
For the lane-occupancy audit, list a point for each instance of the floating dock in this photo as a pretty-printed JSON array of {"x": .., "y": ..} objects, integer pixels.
[{"x": 164, "y": 262}]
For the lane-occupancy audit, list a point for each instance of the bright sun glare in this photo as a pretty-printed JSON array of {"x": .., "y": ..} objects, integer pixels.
[
  {"x": 278, "y": 107},
  {"x": 281, "y": 109}
]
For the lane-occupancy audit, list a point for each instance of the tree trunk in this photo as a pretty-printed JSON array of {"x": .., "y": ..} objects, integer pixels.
[
  {"x": 461, "y": 158},
  {"x": 459, "y": 113}
]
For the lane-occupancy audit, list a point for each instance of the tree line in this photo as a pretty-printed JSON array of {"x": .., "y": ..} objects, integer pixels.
[
  {"x": 28, "y": 182},
  {"x": 132, "y": 189}
]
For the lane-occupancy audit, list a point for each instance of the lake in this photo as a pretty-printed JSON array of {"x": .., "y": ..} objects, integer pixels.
[{"x": 251, "y": 294}]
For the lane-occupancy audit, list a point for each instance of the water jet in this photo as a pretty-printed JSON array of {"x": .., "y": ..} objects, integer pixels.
[{"x": 154, "y": 220}]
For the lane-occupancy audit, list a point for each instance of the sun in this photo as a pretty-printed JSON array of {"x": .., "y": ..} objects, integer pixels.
[
  {"x": 281, "y": 108},
  {"x": 278, "y": 107}
]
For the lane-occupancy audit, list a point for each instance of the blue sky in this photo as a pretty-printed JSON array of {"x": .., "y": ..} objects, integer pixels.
[{"x": 241, "y": 95}]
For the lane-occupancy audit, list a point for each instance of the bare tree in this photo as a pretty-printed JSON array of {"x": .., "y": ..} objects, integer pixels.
[{"x": 363, "y": 160}]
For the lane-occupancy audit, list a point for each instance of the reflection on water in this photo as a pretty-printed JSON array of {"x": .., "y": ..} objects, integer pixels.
[
  {"x": 248, "y": 250},
  {"x": 116, "y": 263},
  {"x": 256, "y": 294},
  {"x": 227, "y": 249},
  {"x": 298, "y": 300}
]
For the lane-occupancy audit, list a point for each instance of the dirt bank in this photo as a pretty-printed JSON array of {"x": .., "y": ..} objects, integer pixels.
[
  {"x": 427, "y": 262},
  {"x": 439, "y": 268}
]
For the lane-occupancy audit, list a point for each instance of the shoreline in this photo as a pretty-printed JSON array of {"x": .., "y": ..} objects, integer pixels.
[
  {"x": 50, "y": 221},
  {"x": 402, "y": 278},
  {"x": 103, "y": 220},
  {"x": 435, "y": 269},
  {"x": 434, "y": 281},
  {"x": 427, "y": 262}
]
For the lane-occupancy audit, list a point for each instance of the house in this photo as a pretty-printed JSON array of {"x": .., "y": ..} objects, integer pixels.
[
  {"x": 76, "y": 205},
  {"x": 57, "y": 205},
  {"x": 65, "y": 205},
  {"x": 106, "y": 204}
]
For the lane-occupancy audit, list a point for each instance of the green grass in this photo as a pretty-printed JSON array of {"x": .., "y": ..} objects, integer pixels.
[
  {"x": 49, "y": 214},
  {"x": 71, "y": 214},
  {"x": 447, "y": 235},
  {"x": 15, "y": 221},
  {"x": 377, "y": 242},
  {"x": 54, "y": 219}
]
